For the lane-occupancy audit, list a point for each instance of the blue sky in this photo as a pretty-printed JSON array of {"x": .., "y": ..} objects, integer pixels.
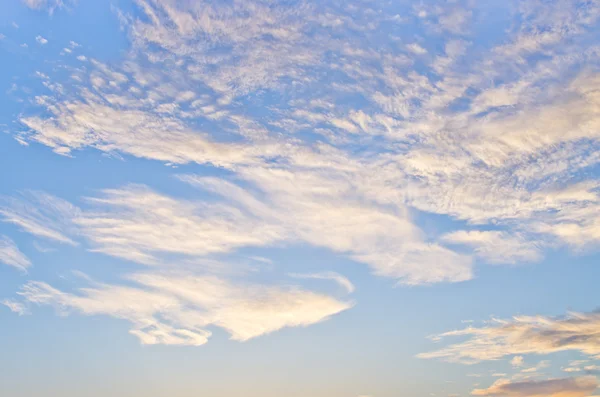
[{"x": 296, "y": 198}]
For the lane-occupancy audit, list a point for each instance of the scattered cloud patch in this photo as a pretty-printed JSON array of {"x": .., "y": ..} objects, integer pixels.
[
  {"x": 15, "y": 307},
  {"x": 47, "y": 5},
  {"x": 11, "y": 255},
  {"x": 564, "y": 387},
  {"x": 42, "y": 215},
  {"x": 495, "y": 246},
  {"x": 523, "y": 335}
]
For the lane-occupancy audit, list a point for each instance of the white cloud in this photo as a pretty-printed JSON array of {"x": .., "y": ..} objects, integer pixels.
[
  {"x": 11, "y": 255},
  {"x": 455, "y": 21},
  {"x": 338, "y": 278},
  {"x": 15, "y": 307},
  {"x": 480, "y": 141},
  {"x": 416, "y": 48},
  {"x": 40, "y": 214},
  {"x": 137, "y": 223},
  {"x": 324, "y": 210},
  {"x": 535, "y": 369},
  {"x": 180, "y": 309},
  {"x": 523, "y": 335},
  {"x": 47, "y": 5},
  {"x": 136, "y": 132},
  {"x": 548, "y": 24},
  {"x": 496, "y": 246},
  {"x": 41, "y": 40},
  {"x": 517, "y": 361}
]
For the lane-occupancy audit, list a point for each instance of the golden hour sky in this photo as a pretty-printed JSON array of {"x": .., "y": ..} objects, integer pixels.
[{"x": 288, "y": 198}]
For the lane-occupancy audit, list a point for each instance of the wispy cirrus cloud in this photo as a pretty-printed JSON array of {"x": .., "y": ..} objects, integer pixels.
[
  {"x": 47, "y": 5},
  {"x": 496, "y": 246},
  {"x": 141, "y": 225},
  {"x": 15, "y": 306},
  {"x": 497, "y": 159},
  {"x": 325, "y": 209},
  {"x": 333, "y": 276},
  {"x": 180, "y": 309},
  {"x": 41, "y": 214},
  {"x": 11, "y": 255},
  {"x": 332, "y": 136},
  {"x": 137, "y": 223}
]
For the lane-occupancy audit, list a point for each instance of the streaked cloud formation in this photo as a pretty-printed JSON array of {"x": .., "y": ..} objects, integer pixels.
[
  {"x": 47, "y": 5},
  {"x": 11, "y": 255},
  {"x": 512, "y": 158},
  {"x": 338, "y": 278},
  {"x": 180, "y": 309},
  {"x": 523, "y": 335},
  {"x": 41, "y": 215},
  {"x": 323, "y": 124}
]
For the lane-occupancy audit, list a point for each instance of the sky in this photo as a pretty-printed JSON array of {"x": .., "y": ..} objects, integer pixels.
[{"x": 289, "y": 198}]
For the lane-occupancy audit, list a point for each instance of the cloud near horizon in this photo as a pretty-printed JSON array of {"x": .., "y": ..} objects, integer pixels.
[
  {"x": 565, "y": 387},
  {"x": 520, "y": 335}
]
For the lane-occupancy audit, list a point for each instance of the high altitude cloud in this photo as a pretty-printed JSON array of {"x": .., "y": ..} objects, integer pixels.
[
  {"x": 564, "y": 387},
  {"x": 497, "y": 159},
  {"x": 523, "y": 335},
  {"x": 325, "y": 132},
  {"x": 338, "y": 278},
  {"x": 136, "y": 223},
  {"x": 141, "y": 225},
  {"x": 11, "y": 255},
  {"x": 48, "y": 5},
  {"x": 325, "y": 209},
  {"x": 40, "y": 214},
  {"x": 180, "y": 309},
  {"x": 495, "y": 246}
]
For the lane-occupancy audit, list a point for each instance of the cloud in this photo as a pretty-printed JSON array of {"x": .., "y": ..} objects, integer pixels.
[
  {"x": 140, "y": 225},
  {"x": 455, "y": 21},
  {"x": 579, "y": 366},
  {"x": 15, "y": 307},
  {"x": 338, "y": 278},
  {"x": 180, "y": 309},
  {"x": 41, "y": 40},
  {"x": 531, "y": 371},
  {"x": 458, "y": 132},
  {"x": 133, "y": 131},
  {"x": 523, "y": 335},
  {"x": 416, "y": 48},
  {"x": 137, "y": 224},
  {"x": 325, "y": 209},
  {"x": 47, "y": 5},
  {"x": 564, "y": 387},
  {"x": 40, "y": 214},
  {"x": 548, "y": 24},
  {"x": 11, "y": 255},
  {"x": 517, "y": 361},
  {"x": 496, "y": 246}
]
